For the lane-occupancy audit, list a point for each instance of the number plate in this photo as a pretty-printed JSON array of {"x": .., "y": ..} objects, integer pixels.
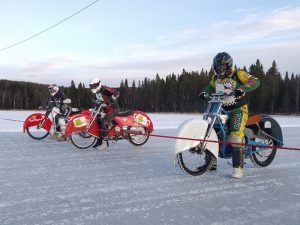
[{"x": 80, "y": 122}]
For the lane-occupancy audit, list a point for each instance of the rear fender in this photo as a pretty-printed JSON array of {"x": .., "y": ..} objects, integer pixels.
[
  {"x": 138, "y": 118},
  {"x": 35, "y": 119},
  {"x": 144, "y": 120},
  {"x": 196, "y": 129},
  {"x": 271, "y": 127}
]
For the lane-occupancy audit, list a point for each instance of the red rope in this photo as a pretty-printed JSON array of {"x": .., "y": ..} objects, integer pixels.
[
  {"x": 13, "y": 120},
  {"x": 196, "y": 139},
  {"x": 224, "y": 142}
]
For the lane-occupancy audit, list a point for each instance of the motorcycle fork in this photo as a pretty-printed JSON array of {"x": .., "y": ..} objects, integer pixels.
[
  {"x": 93, "y": 119},
  {"x": 213, "y": 110},
  {"x": 44, "y": 119}
]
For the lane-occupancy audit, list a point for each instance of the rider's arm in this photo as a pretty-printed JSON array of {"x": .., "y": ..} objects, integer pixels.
[
  {"x": 249, "y": 82},
  {"x": 112, "y": 93},
  {"x": 211, "y": 86}
]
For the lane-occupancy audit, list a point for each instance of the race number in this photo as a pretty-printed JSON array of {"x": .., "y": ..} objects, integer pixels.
[
  {"x": 141, "y": 119},
  {"x": 80, "y": 122}
]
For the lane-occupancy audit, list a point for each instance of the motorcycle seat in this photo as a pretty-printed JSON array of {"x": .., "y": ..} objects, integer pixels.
[
  {"x": 254, "y": 119},
  {"x": 125, "y": 113}
]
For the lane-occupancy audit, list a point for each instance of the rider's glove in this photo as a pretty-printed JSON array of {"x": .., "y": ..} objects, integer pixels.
[
  {"x": 203, "y": 95},
  {"x": 97, "y": 101},
  {"x": 238, "y": 93},
  {"x": 115, "y": 95}
]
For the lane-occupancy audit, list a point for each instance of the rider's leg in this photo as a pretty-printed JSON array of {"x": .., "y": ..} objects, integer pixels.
[
  {"x": 99, "y": 140},
  {"x": 238, "y": 155},
  {"x": 62, "y": 125},
  {"x": 104, "y": 134},
  {"x": 56, "y": 118},
  {"x": 237, "y": 123}
]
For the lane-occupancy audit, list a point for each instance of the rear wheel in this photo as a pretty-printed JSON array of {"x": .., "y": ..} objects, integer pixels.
[
  {"x": 37, "y": 132},
  {"x": 138, "y": 135},
  {"x": 82, "y": 140},
  {"x": 194, "y": 162},
  {"x": 263, "y": 156}
]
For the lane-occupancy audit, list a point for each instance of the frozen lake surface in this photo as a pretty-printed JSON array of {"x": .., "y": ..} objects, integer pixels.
[{"x": 50, "y": 182}]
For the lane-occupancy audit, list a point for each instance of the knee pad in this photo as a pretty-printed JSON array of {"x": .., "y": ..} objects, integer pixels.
[{"x": 236, "y": 139}]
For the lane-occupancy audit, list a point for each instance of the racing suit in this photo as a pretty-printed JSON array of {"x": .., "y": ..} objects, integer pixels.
[
  {"x": 61, "y": 102},
  {"x": 109, "y": 96},
  {"x": 236, "y": 105}
]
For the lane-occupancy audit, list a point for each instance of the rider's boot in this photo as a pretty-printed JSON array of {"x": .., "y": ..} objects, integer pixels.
[
  {"x": 104, "y": 145},
  {"x": 61, "y": 129},
  {"x": 237, "y": 162},
  {"x": 98, "y": 142},
  {"x": 61, "y": 137}
]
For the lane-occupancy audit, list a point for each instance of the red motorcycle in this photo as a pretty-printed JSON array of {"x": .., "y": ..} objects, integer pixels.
[
  {"x": 135, "y": 126},
  {"x": 39, "y": 125}
]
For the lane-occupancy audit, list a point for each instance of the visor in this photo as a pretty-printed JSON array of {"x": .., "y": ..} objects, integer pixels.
[
  {"x": 221, "y": 69},
  {"x": 94, "y": 86},
  {"x": 51, "y": 90}
]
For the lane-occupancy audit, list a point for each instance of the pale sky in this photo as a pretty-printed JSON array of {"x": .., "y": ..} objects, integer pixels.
[{"x": 134, "y": 39}]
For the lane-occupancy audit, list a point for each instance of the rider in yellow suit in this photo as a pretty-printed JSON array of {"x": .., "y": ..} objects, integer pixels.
[{"x": 227, "y": 80}]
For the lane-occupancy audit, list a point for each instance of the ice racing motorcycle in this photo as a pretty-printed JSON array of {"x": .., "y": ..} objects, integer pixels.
[
  {"x": 39, "y": 125},
  {"x": 83, "y": 130},
  {"x": 262, "y": 135}
]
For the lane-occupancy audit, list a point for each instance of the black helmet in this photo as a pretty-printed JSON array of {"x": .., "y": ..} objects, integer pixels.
[{"x": 222, "y": 64}]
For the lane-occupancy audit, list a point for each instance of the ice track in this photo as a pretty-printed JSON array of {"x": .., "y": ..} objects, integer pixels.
[{"x": 49, "y": 182}]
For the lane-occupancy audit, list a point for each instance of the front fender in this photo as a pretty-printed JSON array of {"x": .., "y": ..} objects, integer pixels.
[
  {"x": 196, "y": 129},
  {"x": 35, "y": 119}
]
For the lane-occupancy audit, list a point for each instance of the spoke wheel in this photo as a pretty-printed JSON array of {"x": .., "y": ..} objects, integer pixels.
[
  {"x": 195, "y": 163},
  {"x": 263, "y": 156},
  {"x": 141, "y": 136},
  {"x": 37, "y": 132},
  {"x": 82, "y": 140}
]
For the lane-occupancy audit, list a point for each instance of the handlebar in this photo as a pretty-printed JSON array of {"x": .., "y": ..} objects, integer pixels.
[
  {"x": 217, "y": 96},
  {"x": 98, "y": 101}
]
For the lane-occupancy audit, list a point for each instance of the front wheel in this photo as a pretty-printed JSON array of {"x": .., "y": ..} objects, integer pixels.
[
  {"x": 37, "y": 132},
  {"x": 263, "y": 156},
  {"x": 194, "y": 162},
  {"x": 138, "y": 135},
  {"x": 82, "y": 140}
]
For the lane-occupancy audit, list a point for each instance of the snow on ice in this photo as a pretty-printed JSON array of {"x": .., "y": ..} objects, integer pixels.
[{"x": 50, "y": 182}]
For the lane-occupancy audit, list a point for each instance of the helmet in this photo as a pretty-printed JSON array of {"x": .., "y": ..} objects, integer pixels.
[
  {"x": 222, "y": 64},
  {"x": 53, "y": 89},
  {"x": 95, "y": 85}
]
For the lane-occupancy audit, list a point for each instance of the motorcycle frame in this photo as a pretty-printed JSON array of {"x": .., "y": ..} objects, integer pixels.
[
  {"x": 94, "y": 129},
  {"x": 47, "y": 116},
  {"x": 212, "y": 116}
]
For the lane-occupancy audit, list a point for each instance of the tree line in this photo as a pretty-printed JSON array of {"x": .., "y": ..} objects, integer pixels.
[{"x": 277, "y": 94}]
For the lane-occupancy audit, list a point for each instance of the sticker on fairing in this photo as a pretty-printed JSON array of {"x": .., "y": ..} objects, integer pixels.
[
  {"x": 80, "y": 122},
  {"x": 141, "y": 119},
  {"x": 268, "y": 124}
]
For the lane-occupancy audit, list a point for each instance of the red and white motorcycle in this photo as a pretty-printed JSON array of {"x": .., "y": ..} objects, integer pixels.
[
  {"x": 39, "y": 125},
  {"x": 135, "y": 126}
]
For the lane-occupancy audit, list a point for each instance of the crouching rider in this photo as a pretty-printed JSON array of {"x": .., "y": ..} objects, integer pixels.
[
  {"x": 109, "y": 96},
  {"x": 61, "y": 110}
]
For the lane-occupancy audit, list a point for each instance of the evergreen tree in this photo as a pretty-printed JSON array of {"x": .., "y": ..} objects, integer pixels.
[{"x": 258, "y": 98}]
